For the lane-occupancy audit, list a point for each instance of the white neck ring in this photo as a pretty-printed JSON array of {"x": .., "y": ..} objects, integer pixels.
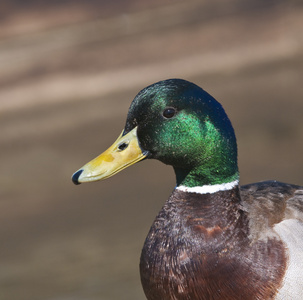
[{"x": 209, "y": 189}]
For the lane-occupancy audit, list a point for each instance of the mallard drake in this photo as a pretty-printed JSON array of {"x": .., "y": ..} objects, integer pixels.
[{"x": 213, "y": 239}]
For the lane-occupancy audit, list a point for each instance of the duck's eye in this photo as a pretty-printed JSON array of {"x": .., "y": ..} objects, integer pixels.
[{"x": 169, "y": 112}]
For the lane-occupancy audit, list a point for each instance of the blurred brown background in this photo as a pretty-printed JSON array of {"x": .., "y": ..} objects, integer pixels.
[{"x": 68, "y": 72}]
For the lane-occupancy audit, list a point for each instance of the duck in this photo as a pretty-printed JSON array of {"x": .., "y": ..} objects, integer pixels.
[{"x": 212, "y": 239}]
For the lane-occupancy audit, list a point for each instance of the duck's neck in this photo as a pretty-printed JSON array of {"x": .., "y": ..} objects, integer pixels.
[
  {"x": 207, "y": 180},
  {"x": 209, "y": 189}
]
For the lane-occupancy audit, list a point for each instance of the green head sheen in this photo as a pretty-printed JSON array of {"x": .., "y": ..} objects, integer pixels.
[{"x": 181, "y": 125}]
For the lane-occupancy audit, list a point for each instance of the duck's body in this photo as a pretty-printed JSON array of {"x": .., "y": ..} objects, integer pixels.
[
  {"x": 214, "y": 246},
  {"x": 212, "y": 239}
]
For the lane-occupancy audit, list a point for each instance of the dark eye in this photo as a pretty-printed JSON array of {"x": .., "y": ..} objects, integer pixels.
[{"x": 169, "y": 112}]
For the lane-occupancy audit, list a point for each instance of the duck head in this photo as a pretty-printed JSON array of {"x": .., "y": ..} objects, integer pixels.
[{"x": 178, "y": 123}]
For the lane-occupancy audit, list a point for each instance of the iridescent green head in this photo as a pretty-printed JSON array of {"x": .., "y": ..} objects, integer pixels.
[{"x": 180, "y": 124}]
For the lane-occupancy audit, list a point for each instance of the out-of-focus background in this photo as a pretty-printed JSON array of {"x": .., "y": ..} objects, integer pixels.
[{"x": 68, "y": 72}]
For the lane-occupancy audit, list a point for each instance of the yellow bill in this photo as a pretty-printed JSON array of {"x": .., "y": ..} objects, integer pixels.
[{"x": 124, "y": 152}]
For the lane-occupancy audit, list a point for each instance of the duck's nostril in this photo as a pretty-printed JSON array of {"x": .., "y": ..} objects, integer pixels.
[
  {"x": 122, "y": 146},
  {"x": 75, "y": 177}
]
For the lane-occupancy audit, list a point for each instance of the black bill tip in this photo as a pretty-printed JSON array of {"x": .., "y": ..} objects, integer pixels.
[{"x": 75, "y": 177}]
